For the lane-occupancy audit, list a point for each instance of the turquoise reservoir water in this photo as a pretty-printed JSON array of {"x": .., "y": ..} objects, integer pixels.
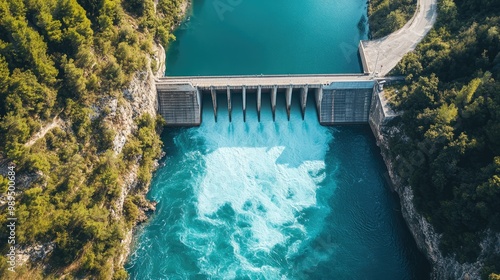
[
  {"x": 268, "y": 37},
  {"x": 271, "y": 200}
]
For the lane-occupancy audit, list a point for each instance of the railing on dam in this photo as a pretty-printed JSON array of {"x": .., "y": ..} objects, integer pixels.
[{"x": 340, "y": 99}]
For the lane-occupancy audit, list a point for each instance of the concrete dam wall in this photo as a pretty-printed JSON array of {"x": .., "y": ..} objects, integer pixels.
[
  {"x": 340, "y": 99},
  {"x": 179, "y": 104}
]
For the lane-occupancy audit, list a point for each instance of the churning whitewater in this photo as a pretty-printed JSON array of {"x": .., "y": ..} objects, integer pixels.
[
  {"x": 258, "y": 180},
  {"x": 268, "y": 200}
]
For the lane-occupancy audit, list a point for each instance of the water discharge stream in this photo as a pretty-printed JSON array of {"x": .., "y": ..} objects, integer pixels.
[{"x": 273, "y": 200}]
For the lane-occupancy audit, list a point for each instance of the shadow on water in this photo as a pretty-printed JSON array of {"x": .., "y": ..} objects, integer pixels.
[{"x": 373, "y": 222}]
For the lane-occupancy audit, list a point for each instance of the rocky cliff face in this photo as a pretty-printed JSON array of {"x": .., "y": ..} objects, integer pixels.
[
  {"x": 426, "y": 237},
  {"x": 139, "y": 98}
]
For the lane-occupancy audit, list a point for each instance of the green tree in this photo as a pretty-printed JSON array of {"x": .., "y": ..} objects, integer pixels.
[
  {"x": 396, "y": 20},
  {"x": 27, "y": 50},
  {"x": 76, "y": 26},
  {"x": 74, "y": 79}
]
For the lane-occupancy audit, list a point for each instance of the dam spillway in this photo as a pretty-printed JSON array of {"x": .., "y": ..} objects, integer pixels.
[{"x": 339, "y": 99}]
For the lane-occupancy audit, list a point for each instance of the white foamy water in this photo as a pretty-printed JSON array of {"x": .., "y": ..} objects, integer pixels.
[
  {"x": 258, "y": 178},
  {"x": 254, "y": 185}
]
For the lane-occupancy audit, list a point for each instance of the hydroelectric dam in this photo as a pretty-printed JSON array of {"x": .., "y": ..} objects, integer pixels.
[{"x": 339, "y": 98}]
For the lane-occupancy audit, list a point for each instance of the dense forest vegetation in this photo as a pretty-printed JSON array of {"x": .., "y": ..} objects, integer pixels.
[
  {"x": 387, "y": 16},
  {"x": 448, "y": 146},
  {"x": 58, "y": 58}
]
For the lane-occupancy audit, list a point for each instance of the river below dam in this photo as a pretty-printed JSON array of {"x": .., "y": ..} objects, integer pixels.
[{"x": 272, "y": 199}]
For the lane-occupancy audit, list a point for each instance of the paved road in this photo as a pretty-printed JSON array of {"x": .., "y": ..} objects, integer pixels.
[
  {"x": 253, "y": 81},
  {"x": 391, "y": 49}
]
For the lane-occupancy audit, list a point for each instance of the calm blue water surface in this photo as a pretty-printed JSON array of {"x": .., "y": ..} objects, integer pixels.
[
  {"x": 272, "y": 200},
  {"x": 268, "y": 37}
]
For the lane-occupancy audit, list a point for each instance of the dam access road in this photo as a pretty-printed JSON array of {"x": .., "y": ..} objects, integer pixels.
[
  {"x": 208, "y": 82},
  {"x": 380, "y": 56}
]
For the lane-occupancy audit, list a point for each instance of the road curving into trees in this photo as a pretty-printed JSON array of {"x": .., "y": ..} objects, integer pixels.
[{"x": 383, "y": 54}]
